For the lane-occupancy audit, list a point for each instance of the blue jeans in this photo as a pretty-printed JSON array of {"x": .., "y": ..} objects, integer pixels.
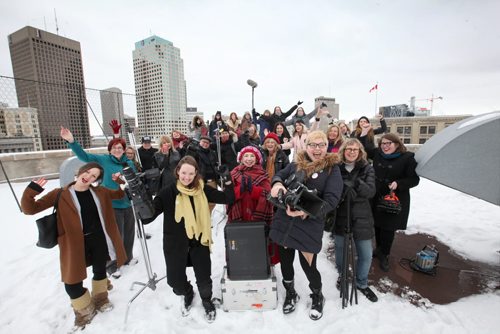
[{"x": 364, "y": 259}]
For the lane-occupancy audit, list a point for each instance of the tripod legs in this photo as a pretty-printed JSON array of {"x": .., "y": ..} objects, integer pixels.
[{"x": 348, "y": 287}]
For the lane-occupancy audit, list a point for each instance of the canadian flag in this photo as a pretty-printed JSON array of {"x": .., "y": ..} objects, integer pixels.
[{"x": 373, "y": 88}]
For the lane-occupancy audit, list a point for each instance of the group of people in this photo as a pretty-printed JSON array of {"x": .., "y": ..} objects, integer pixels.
[{"x": 96, "y": 221}]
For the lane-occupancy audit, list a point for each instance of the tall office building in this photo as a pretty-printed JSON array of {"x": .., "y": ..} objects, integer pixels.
[
  {"x": 159, "y": 86},
  {"x": 112, "y": 108},
  {"x": 49, "y": 77}
]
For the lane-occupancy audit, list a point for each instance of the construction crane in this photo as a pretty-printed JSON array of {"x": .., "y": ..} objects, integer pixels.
[{"x": 431, "y": 100}]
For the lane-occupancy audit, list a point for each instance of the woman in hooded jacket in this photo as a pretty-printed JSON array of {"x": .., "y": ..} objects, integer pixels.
[
  {"x": 295, "y": 230},
  {"x": 198, "y": 127}
]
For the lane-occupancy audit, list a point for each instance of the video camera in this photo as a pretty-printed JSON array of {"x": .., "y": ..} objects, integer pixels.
[
  {"x": 298, "y": 196},
  {"x": 141, "y": 188}
]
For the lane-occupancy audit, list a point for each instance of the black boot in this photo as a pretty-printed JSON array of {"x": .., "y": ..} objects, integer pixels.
[
  {"x": 187, "y": 301},
  {"x": 384, "y": 262},
  {"x": 318, "y": 301},
  {"x": 210, "y": 312},
  {"x": 291, "y": 297}
]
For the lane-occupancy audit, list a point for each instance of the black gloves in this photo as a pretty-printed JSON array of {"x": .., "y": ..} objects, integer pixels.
[
  {"x": 256, "y": 114},
  {"x": 223, "y": 173},
  {"x": 300, "y": 102}
]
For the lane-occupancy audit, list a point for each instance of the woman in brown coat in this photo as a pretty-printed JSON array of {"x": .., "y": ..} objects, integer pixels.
[{"x": 87, "y": 235}]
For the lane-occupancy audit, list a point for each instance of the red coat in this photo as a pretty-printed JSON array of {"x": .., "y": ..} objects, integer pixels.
[{"x": 70, "y": 235}]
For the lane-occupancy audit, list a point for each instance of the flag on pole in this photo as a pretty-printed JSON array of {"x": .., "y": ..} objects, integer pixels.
[{"x": 373, "y": 88}]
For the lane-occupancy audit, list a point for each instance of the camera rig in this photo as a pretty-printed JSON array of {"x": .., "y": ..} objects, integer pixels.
[{"x": 298, "y": 196}]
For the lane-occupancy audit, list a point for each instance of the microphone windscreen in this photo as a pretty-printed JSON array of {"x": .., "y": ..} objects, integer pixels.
[{"x": 251, "y": 83}]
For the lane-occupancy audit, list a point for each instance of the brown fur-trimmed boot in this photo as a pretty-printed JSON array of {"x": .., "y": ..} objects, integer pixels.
[
  {"x": 100, "y": 295},
  {"x": 84, "y": 310}
]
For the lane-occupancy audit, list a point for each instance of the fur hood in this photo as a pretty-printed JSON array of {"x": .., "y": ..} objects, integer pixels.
[{"x": 310, "y": 167}]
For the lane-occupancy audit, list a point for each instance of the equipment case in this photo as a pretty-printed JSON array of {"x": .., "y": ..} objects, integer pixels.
[
  {"x": 242, "y": 295},
  {"x": 246, "y": 251}
]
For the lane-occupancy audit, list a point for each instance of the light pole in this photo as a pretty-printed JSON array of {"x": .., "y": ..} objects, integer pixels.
[{"x": 252, "y": 84}]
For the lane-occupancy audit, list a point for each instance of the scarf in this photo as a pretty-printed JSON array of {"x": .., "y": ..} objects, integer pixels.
[
  {"x": 390, "y": 156},
  {"x": 263, "y": 210},
  {"x": 197, "y": 226},
  {"x": 270, "y": 165}
]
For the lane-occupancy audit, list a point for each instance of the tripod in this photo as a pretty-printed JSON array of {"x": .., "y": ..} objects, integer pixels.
[
  {"x": 348, "y": 259},
  {"x": 152, "y": 280}
]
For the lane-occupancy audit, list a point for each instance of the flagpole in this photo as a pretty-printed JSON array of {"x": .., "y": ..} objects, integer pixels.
[{"x": 376, "y": 98}]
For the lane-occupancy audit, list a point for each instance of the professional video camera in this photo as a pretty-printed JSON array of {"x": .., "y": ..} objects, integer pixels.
[
  {"x": 141, "y": 188},
  {"x": 298, "y": 196}
]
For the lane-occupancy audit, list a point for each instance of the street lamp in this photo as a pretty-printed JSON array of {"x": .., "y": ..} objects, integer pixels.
[{"x": 252, "y": 84}]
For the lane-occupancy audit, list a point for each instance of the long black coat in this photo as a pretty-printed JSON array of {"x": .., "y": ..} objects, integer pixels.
[
  {"x": 361, "y": 212},
  {"x": 167, "y": 165},
  {"x": 306, "y": 234},
  {"x": 402, "y": 170},
  {"x": 175, "y": 241}
]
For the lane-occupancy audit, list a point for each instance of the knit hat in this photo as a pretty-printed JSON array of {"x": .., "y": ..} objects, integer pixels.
[
  {"x": 206, "y": 138},
  {"x": 273, "y": 136},
  {"x": 365, "y": 118},
  {"x": 250, "y": 149},
  {"x": 115, "y": 141}
]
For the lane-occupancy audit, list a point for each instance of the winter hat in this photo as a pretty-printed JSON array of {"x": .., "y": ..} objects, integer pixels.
[
  {"x": 115, "y": 141},
  {"x": 365, "y": 118},
  {"x": 146, "y": 139},
  {"x": 250, "y": 149},
  {"x": 206, "y": 138},
  {"x": 273, "y": 136}
]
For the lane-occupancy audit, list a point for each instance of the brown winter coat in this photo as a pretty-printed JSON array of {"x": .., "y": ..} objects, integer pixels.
[{"x": 70, "y": 236}]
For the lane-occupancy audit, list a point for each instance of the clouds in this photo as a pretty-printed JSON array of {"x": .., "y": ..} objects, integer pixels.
[{"x": 294, "y": 49}]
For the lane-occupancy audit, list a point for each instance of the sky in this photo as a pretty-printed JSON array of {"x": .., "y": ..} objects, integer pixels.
[
  {"x": 294, "y": 50},
  {"x": 33, "y": 299}
]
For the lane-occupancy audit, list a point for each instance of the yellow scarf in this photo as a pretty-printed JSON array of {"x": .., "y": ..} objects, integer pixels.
[{"x": 195, "y": 226}]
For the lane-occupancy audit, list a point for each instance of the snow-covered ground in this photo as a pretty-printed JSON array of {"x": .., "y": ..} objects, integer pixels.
[{"x": 33, "y": 300}]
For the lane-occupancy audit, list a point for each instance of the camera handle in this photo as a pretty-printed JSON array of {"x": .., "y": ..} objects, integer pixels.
[{"x": 152, "y": 280}]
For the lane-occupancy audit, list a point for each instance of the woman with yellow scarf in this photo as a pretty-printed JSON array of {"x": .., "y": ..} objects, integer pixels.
[{"x": 187, "y": 235}]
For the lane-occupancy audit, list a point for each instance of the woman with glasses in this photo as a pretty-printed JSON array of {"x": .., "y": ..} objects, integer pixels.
[
  {"x": 294, "y": 230},
  {"x": 394, "y": 171},
  {"x": 111, "y": 163},
  {"x": 359, "y": 183}
]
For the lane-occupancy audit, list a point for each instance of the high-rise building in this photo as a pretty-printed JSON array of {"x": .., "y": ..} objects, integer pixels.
[
  {"x": 19, "y": 130},
  {"x": 112, "y": 108},
  {"x": 159, "y": 86},
  {"x": 49, "y": 77}
]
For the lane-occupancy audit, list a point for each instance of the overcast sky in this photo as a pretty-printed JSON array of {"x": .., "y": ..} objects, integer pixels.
[{"x": 292, "y": 49}]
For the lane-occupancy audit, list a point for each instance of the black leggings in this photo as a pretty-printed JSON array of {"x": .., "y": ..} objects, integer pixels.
[
  {"x": 287, "y": 255},
  {"x": 384, "y": 240},
  {"x": 96, "y": 255}
]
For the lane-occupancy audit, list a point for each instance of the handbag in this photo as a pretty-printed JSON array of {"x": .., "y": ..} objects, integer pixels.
[
  {"x": 389, "y": 204},
  {"x": 47, "y": 228}
]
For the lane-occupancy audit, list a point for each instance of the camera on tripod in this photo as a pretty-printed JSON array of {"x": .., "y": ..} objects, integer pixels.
[
  {"x": 140, "y": 188},
  {"x": 298, "y": 196}
]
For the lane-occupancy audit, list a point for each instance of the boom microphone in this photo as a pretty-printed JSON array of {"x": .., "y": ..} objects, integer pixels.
[{"x": 251, "y": 83}]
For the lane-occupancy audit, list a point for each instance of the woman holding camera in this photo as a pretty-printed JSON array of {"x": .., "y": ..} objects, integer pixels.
[
  {"x": 187, "y": 234},
  {"x": 293, "y": 229},
  {"x": 87, "y": 236},
  {"x": 359, "y": 184}
]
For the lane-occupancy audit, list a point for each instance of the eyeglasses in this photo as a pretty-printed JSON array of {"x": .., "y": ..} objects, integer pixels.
[
  {"x": 316, "y": 145},
  {"x": 117, "y": 148},
  {"x": 386, "y": 143},
  {"x": 352, "y": 150}
]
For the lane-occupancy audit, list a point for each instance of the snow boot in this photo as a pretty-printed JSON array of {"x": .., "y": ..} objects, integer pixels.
[
  {"x": 291, "y": 297},
  {"x": 210, "y": 312},
  {"x": 84, "y": 310},
  {"x": 100, "y": 295},
  {"x": 318, "y": 301},
  {"x": 187, "y": 301}
]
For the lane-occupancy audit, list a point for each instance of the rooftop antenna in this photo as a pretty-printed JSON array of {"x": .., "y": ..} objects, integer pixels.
[{"x": 57, "y": 26}]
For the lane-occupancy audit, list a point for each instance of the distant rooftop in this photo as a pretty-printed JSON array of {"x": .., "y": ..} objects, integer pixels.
[{"x": 151, "y": 40}]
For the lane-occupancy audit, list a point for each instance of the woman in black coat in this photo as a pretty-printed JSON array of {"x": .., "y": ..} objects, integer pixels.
[
  {"x": 359, "y": 184},
  {"x": 166, "y": 159},
  {"x": 187, "y": 235},
  {"x": 394, "y": 170},
  {"x": 295, "y": 230}
]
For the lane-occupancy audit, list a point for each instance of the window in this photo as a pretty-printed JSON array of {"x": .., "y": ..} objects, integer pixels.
[
  {"x": 406, "y": 140},
  {"x": 422, "y": 140},
  {"x": 423, "y": 130},
  {"x": 432, "y": 130},
  {"x": 400, "y": 130}
]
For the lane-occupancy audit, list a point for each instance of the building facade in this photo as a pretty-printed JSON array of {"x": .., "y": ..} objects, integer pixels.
[
  {"x": 19, "y": 131},
  {"x": 159, "y": 86},
  {"x": 112, "y": 108},
  {"x": 333, "y": 108},
  {"x": 49, "y": 77}
]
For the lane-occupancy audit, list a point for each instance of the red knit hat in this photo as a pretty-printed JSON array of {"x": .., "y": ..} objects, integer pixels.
[
  {"x": 250, "y": 149},
  {"x": 115, "y": 141},
  {"x": 272, "y": 135}
]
